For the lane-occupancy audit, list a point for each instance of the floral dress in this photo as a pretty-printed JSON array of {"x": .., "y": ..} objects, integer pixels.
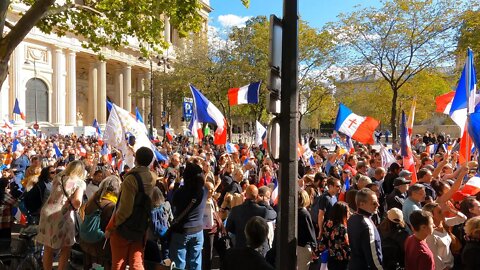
[
  {"x": 57, "y": 222},
  {"x": 335, "y": 240}
]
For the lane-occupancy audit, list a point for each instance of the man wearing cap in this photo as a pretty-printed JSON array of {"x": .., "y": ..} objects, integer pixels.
[
  {"x": 399, "y": 193},
  {"x": 405, "y": 174}
]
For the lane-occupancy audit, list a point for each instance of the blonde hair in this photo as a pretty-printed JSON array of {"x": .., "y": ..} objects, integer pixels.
[
  {"x": 303, "y": 199},
  {"x": 472, "y": 228},
  {"x": 75, "y": 168}
]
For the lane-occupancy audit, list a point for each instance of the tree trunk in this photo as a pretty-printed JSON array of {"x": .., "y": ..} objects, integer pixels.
[
  {"x": 393, "y": 116},
  {"x": 3, "y": 70}
]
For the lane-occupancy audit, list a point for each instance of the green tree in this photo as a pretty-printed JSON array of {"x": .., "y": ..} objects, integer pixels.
[
  {"x": 100, "y": 23},
  {"x": 399, "y": 40},
  {"x": 469, "y": 37}
]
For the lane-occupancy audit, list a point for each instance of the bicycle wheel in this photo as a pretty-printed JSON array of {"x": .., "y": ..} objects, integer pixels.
[{"x": 29, "y": 263}]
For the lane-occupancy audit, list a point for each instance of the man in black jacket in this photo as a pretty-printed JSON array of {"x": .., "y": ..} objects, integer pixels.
[
  {"x": 241, "y": 214},
  {"x": 365, "y": 243},
  {"x": 399, "y": 193}
]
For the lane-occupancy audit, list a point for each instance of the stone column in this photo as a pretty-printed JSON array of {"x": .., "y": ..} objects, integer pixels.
[
  {"x": 92, "y": 92},
  {"x": 119, "y": 87},
  {"x": 58, "y": 104},
  {"x": 167, "y": 30},
  {"x": 127, "y": 88},
  {"x": 71, "y": 89},
  {"x": 102, "y": 93}
]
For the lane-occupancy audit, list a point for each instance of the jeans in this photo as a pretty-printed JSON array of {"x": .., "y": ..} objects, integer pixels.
[{"x": 186, "y": 250}]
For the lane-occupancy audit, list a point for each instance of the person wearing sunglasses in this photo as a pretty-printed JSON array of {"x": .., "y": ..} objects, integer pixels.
[{"x": 38, "y": 194}]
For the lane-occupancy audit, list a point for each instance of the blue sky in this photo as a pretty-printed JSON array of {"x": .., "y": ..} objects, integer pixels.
[{"x": 227, "y": 13}]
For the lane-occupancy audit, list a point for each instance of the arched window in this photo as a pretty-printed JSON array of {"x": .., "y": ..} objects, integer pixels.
[{"x": 36, "y": 101}]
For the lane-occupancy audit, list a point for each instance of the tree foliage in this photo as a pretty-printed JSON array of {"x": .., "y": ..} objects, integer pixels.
[
  {"x": 399, "y": 40},
  {"x": 469, "y": 37},
  {"x": 99, "y": 23}
]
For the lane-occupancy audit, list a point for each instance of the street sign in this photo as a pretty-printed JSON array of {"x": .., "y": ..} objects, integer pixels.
[{"x": 187, "y": 110}]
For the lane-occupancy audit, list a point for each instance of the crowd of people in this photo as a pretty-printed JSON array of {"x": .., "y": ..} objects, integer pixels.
[{"x": 355, "y": 211}]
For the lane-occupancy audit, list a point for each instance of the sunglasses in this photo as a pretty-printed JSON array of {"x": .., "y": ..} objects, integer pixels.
[{"x": 53, "y": 172}]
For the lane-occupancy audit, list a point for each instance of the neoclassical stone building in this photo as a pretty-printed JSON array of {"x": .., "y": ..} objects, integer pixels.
[{"x": 59, "y": 83}]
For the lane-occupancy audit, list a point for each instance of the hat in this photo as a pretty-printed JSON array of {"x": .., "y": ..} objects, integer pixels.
[
  {"x": 400, "y": 181},
  {"x": 395, "y": 215},
  {"x": 404, "y": 173}
]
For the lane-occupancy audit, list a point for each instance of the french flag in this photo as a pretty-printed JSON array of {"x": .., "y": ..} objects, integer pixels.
[
  {"x": 471, "y": 188},
  {"x": 58, "y": 153},
  {"x": 206, "y": 112},
  {"x": 444, "y": 102},
  {"x": 196, "y": 128},
  {"x": 357, "y": 127},
  {"x": 406, "y": 149},
  {"x": 169, "y": 134},
  {"x": 16, "y": 110},
  {"x": 462, "y": 103},
  {"x": 247, "y": 94},
  {"x": 231, "y": 148}
]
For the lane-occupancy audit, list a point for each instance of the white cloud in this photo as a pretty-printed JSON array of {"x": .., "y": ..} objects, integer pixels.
[{"x": 231, "y": 20}]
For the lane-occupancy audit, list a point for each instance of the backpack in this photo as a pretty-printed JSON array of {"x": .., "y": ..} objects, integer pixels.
[
  {"x": 90, "y": 229},
  {"x": 33, "y": 199},
  {"x": 135, "y": 227},
  {"x": 160, "y": 223}
]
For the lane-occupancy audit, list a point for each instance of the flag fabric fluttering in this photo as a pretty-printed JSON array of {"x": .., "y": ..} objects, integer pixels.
[
  {"x": 406, "y": 149},
  {"x": 471, "y": 188},
  {"x": 247, "y": 94},
  {"x": 260, "y": 134},
  {"x": 444, "y": 102},
  {"x": 195, "y": 128},
  {"x": 16, "y": 110},
  {"x": 358, "y": 127},
  {"x": 138, "y": 116},
  {"x": 387, "y": 157},
  {"x": 411, "y": 117},
  {"x": 58, "y": 153},
  {"x": 208, "y": 113},
  {"x": 231, "y": 148},
  {"x": 17, "y": 146},
  {"x": 97, "y": 128},
  {"x": 206, "y": 130},
  {"x": 119, "y": 124},
  {"x": 466, "y": 99}
]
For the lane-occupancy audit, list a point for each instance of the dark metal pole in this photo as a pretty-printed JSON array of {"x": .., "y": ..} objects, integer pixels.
[
  {"x": 287, "y": 233},
  {"x": 151, "y": 99}
]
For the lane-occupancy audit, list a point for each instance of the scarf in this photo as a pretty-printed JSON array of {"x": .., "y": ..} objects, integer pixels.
[{"x": 111, "y": 197}]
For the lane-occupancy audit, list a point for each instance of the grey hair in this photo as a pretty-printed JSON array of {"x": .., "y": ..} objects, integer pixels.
[{"x": 111, "y": 184}]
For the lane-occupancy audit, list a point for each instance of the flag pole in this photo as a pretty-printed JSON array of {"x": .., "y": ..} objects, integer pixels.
[{"x": 467, "y": 88}]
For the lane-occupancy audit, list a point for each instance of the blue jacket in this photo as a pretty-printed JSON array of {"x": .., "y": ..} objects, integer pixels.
[{"x": 365, "y": 243}]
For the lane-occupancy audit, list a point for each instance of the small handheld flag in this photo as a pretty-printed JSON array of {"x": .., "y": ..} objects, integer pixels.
[
  {"x": 16, "y": 110},
  {"x": 138, "y": 115},
  {"x": 58, "y": 153}
]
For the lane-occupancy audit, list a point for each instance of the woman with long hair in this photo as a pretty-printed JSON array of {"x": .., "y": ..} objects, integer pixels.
[
  {"x": 335, "y": 237},
  {"x": 56, "y": 229},
  {"x": 307, "y": 242},
  {"x": 104, "y": 199}
]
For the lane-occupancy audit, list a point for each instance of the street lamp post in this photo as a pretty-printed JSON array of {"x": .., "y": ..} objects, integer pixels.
[
  {"x": 165, "y": 62},
  {"x": 151, "y": 100}
]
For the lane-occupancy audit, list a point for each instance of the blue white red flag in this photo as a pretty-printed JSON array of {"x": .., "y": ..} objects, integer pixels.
[
  {"x": 406, "y": 149},
  {"x": 206, "y": 112},
  {"x": 358, "y": 127},
  {"x": 247, "y": 94},
  {"x": 195, "y": 128},
  {"x": 58, "y": 153},
  {"x": 231, "y": 148},
  {"x": 138, "y": 115},
  {"x": 465, "y": 95},
  {"x": 16, "y": 110}
]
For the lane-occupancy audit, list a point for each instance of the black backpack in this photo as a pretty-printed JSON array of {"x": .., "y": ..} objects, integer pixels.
[
  {"x": 135, "y": 227},
  {"x": 33, "y": 199}
]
